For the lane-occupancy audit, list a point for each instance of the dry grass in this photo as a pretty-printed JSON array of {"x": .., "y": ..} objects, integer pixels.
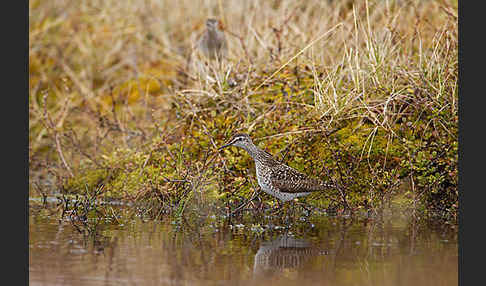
[{"x": 115, "y": 74}]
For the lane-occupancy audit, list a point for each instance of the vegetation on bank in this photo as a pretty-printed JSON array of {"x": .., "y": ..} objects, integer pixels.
[{"x": 364, "y": 94}]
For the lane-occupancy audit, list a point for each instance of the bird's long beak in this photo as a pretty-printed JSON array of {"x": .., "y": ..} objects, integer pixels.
[
  {"x": 229, "y": 143},
  {"x": 224, "y": 146}
]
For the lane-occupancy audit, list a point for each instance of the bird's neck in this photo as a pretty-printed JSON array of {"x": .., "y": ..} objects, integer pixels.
[
  {"x": 255, "y": 152},
  {"x": 212, "y": 33}
]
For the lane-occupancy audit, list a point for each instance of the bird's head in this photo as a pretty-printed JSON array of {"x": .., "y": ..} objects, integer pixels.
[
  {"x": 212, "y": 24},
  {"x": 241, "y": 140}
]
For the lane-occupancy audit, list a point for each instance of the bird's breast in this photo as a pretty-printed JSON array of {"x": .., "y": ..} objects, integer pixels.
[{"x": 262, "y": 178}]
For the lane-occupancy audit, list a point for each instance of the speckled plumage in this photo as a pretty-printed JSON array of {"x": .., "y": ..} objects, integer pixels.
[
  {"x": 274, "y": 177},
  {"x": 213, "y": 42}
]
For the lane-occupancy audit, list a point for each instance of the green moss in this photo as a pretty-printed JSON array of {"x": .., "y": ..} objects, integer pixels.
[
  {"x": 369, "y": 160},
  {"x": 394, "y": 111},
  {"x": 90, "y": 178}
]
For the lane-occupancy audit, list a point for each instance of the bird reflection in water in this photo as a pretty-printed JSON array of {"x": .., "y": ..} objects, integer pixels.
[{"x": 284, "y": 253}]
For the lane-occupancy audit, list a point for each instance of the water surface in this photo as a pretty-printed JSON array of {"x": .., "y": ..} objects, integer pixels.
[{"x": 398, "y": 250}]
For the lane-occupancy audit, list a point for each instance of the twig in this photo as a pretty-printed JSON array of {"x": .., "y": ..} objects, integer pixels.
[
  {"x": 243, "y": 46},
  {"x": 298, "y": 54},
  {"x": 255, "y": 193},
  {"x": 51, "y": 126}
]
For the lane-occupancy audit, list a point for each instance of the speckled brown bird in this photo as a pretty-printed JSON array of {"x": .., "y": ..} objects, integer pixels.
[{"x": 274, "y": 177}]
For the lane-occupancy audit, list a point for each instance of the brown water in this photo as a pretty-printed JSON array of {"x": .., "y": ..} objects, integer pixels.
[{"x": 398, "y": 250}]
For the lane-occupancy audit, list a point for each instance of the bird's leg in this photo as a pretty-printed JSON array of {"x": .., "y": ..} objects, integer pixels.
[
  {"x": 293, "y": 211},
  {"x": 261, "y": 205},
  {"x": 277, "y": 208},
  {"x": 307, "y": 209},
  {"x": 286, "y": 213}
]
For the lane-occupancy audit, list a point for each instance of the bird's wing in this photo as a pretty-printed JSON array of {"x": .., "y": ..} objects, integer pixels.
[{"x": 289, "y": 180}]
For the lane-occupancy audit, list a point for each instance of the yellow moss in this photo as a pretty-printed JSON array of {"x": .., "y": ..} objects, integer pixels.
[{"x": 91, "y": 178}]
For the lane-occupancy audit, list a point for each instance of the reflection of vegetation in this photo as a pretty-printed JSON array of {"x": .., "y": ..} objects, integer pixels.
[
  {"x": 117, "y": 102},
  {"x": 85, "y": 212},
  {"x": 334, "y": 251}
]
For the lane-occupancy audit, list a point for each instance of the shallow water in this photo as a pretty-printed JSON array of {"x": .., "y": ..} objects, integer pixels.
[{"x": 398, "y": 250}]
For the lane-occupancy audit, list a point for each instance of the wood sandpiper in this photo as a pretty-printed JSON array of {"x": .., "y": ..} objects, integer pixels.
[
  {"x": 274, "y": 177},
  {"x": 213, "y": 42}
]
